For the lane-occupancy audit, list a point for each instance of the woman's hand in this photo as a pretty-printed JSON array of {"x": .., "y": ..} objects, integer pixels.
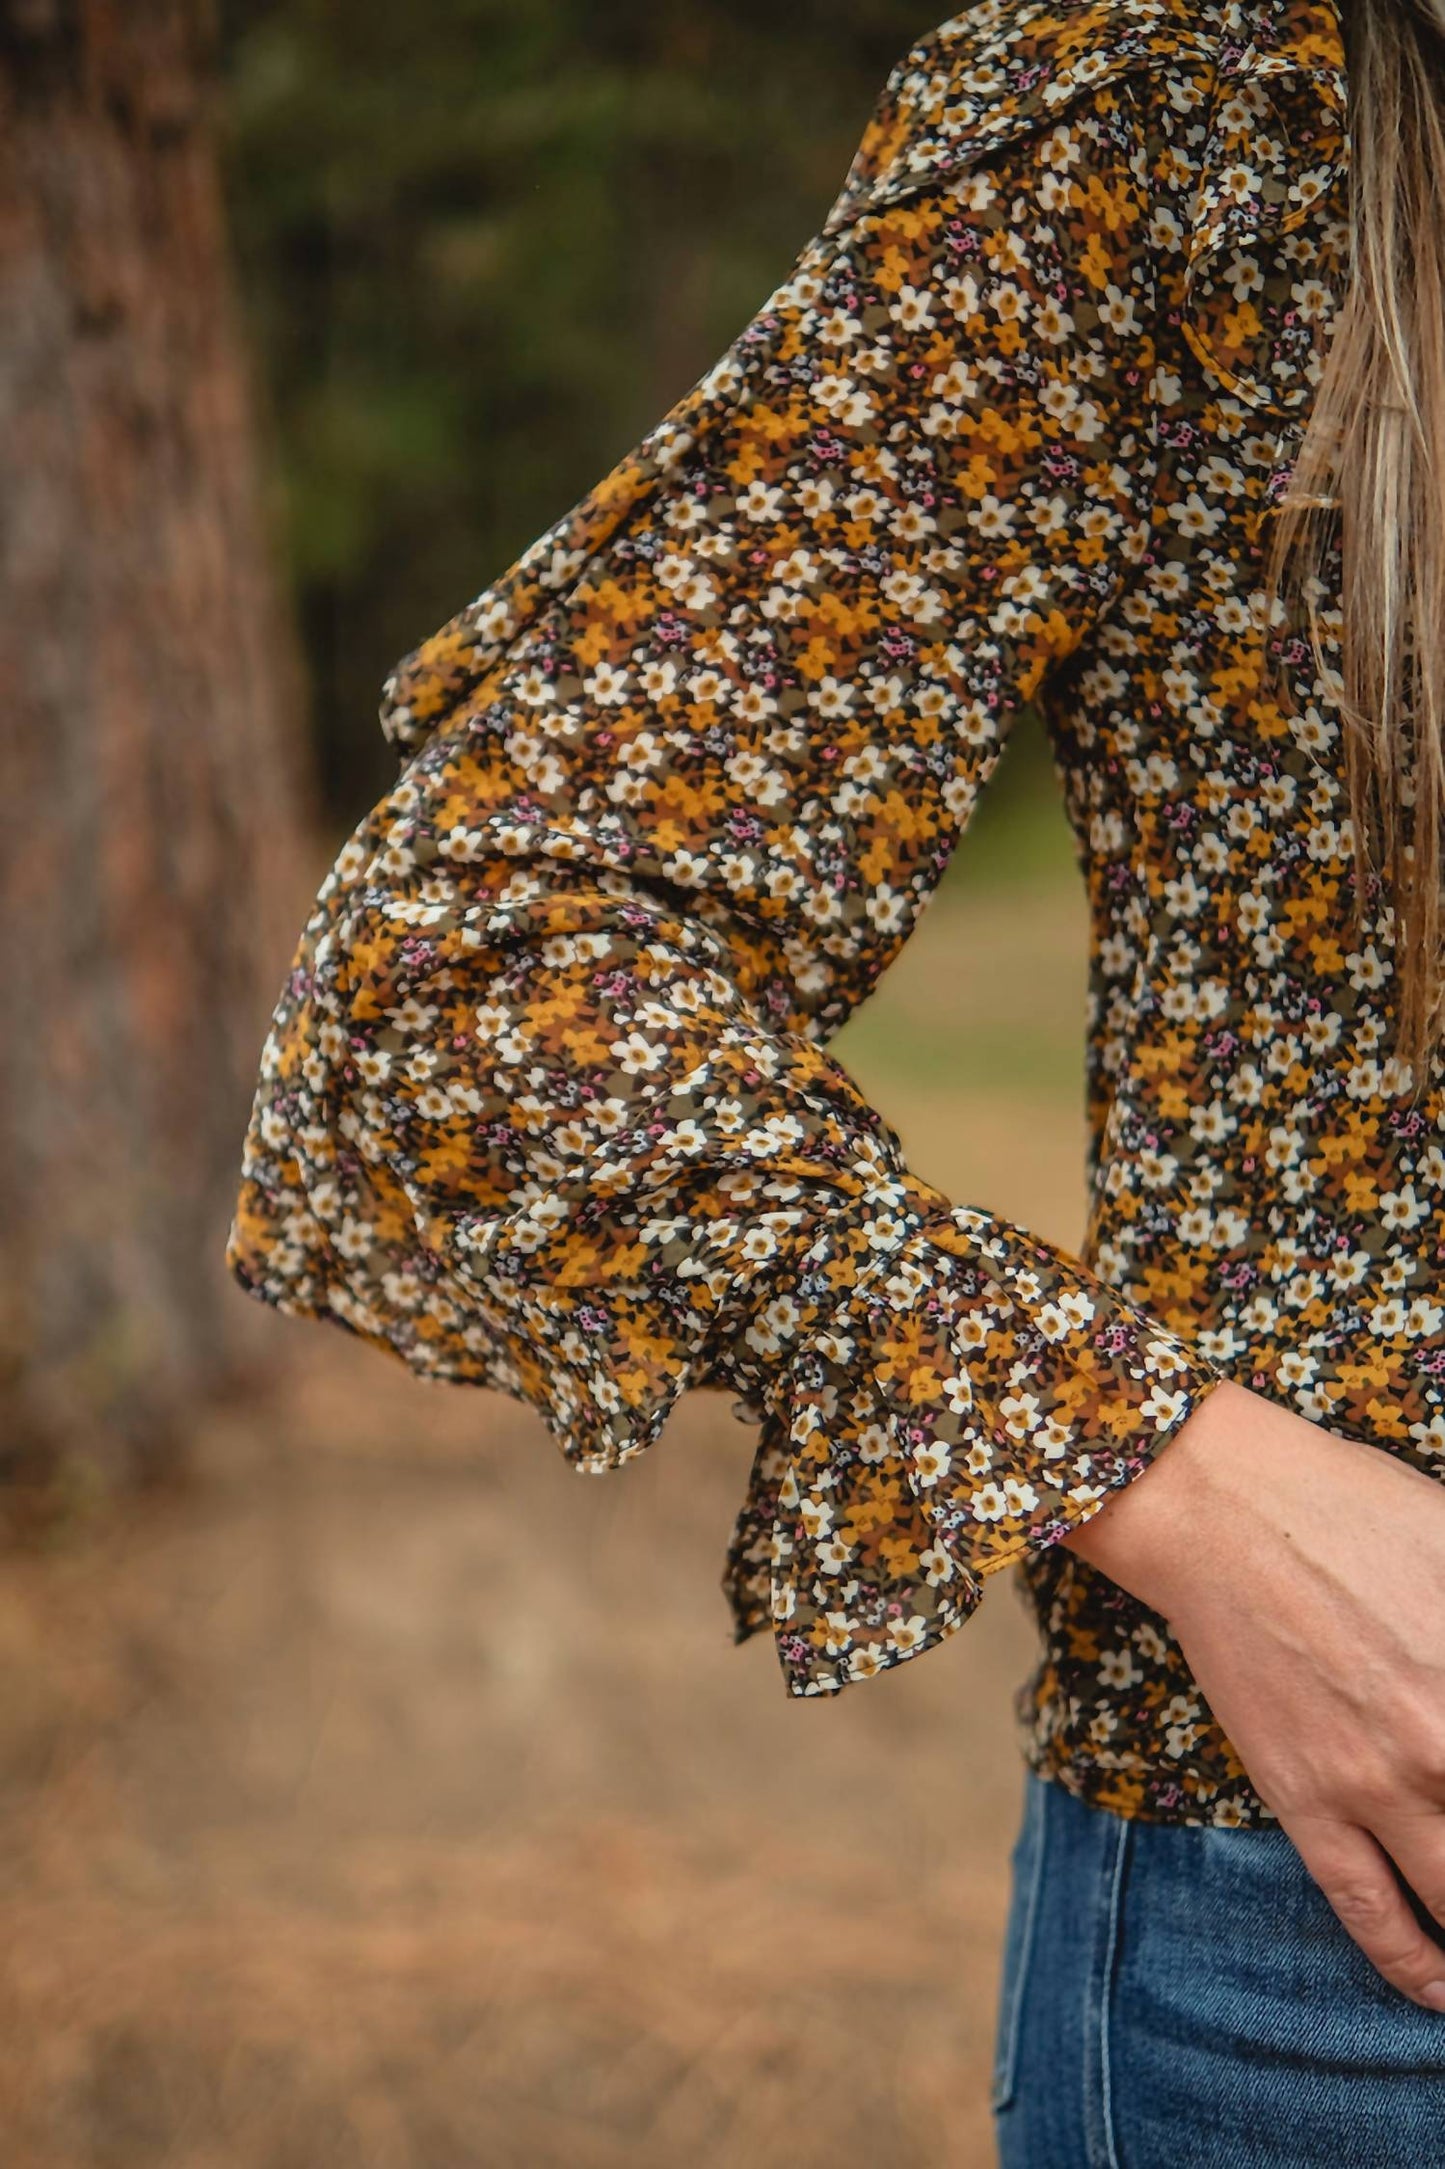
[{"x": 1304, "y": 1577}]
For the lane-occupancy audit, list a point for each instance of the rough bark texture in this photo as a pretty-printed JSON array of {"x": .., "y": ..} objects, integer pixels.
[{"x": 148, "y": 790}]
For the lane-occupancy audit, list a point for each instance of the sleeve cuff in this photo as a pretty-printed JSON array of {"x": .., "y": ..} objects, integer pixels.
[{"x": 975, "y": 1396}]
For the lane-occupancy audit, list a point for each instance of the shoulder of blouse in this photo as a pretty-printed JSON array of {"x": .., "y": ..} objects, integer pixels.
[
  {"x": 1259, "y": 91},
  {"x": 1265, "y": 77}
]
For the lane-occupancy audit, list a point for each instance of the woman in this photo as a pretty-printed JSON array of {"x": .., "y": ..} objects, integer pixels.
[{"x": 1114, "y": 382}]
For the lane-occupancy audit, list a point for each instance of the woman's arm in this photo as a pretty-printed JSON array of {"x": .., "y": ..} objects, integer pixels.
[
  {"x": 1304, "y": 1576},
  {"x": 547, "y": 1104}
]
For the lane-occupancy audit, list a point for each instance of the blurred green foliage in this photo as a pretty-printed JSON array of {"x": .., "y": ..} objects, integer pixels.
[{"x": 485, "y": 245}]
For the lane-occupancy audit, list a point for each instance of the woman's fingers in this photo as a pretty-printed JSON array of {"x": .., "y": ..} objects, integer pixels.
[
  {"x": 1415, "y": 1842},
  {"x": 1354, "y": 1873}
]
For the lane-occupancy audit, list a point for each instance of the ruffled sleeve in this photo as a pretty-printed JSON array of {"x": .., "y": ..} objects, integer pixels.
[{"x": 547, "y": 1104}]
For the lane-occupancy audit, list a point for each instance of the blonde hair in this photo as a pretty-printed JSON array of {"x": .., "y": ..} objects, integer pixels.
[{"x": 1370, "y": 477}]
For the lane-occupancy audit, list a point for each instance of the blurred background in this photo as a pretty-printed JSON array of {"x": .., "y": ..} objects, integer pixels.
[{"x": 314, "y": 313}]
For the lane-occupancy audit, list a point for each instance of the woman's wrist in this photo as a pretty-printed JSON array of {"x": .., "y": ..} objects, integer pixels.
[{"x": 1142, "y": 1534}]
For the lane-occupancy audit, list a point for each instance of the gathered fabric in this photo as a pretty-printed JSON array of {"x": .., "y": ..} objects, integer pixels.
[{"x": 547, "y": 1104}]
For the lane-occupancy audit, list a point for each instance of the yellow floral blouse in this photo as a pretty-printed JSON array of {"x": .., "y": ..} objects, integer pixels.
[{"x": 547, "y": 1105}]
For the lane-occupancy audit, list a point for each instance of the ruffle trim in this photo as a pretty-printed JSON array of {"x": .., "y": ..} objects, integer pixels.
[
  {"x": 1278, "y": 153},
  {"x": 885, "y": 1492}
]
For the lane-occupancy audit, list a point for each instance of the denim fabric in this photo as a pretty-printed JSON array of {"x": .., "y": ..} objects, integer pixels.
[{"x": 1175, "y": 1996}]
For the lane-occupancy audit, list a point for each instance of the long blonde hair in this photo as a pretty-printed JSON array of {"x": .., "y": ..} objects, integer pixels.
[{"x": 1370, "y": 474}]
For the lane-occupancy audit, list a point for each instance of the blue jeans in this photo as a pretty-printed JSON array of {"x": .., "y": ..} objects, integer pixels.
[{"x": 1178, "y": 1998}]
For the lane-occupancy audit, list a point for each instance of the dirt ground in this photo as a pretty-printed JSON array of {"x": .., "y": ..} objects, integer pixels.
[{"x": 303, "y": 1865}]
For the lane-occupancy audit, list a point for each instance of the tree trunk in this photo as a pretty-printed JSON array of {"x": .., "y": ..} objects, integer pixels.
[{"x": 149, "y": 787}]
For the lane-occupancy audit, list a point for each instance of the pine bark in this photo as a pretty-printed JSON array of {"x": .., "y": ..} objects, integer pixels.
[{"x": 151, "y": 796}]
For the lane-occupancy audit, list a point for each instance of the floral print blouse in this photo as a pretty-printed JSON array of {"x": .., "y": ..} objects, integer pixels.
[{"x": 547, "y": 1104}]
